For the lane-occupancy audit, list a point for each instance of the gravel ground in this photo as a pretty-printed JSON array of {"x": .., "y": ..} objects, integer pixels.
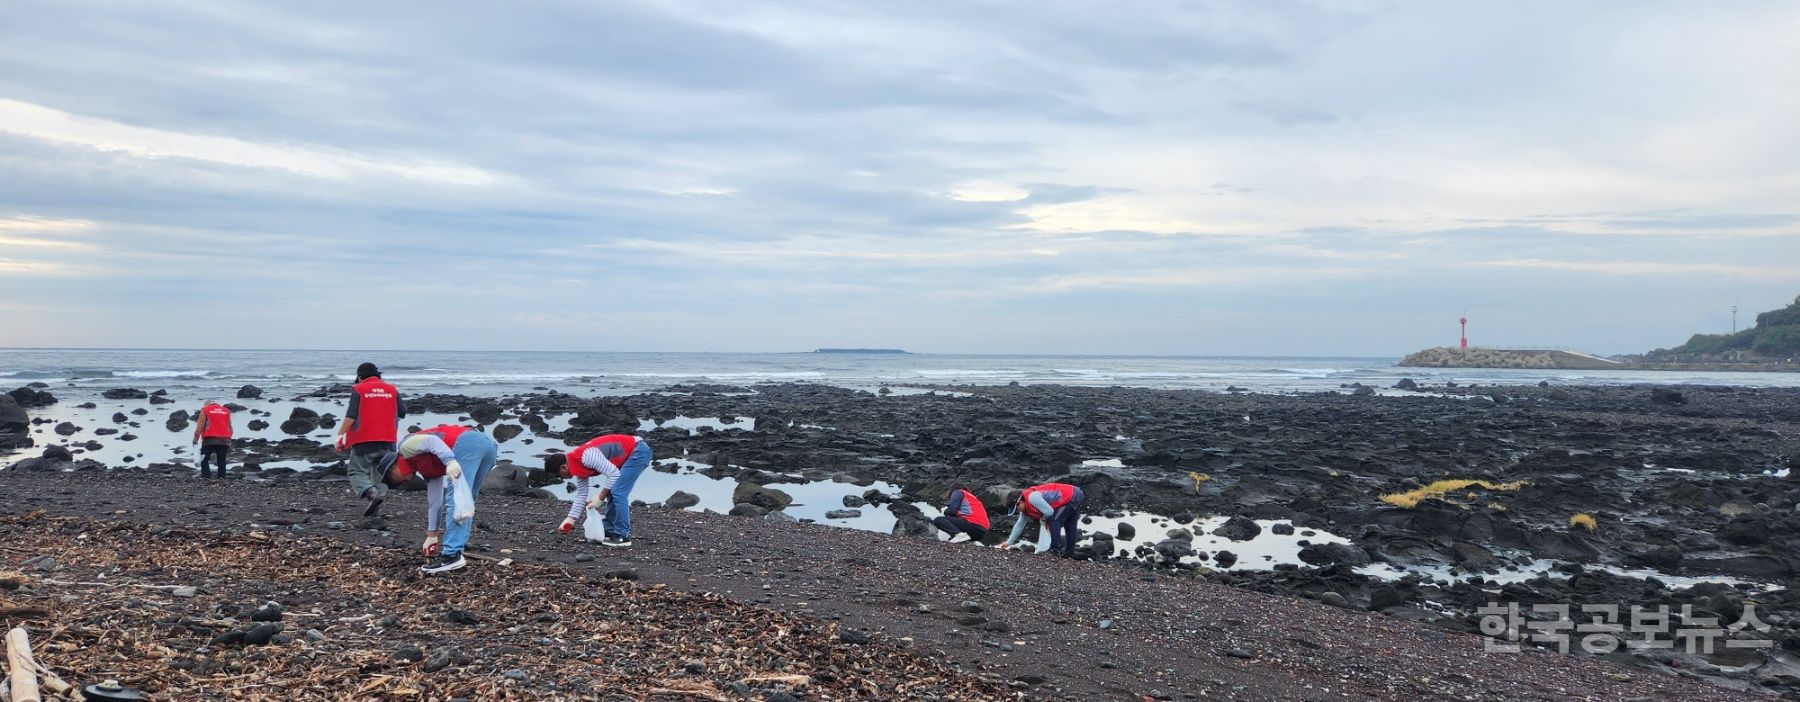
[{"x": 1054, "y": 628}]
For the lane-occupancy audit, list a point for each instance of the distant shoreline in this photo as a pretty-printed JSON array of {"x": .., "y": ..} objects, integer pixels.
[
  {"x": 866, "y": 351},
  {"x": 1550, "y": 359}
]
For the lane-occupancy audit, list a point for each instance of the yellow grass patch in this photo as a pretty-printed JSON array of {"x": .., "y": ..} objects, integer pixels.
[
  {"x": 1584, "y": 520},
  {"x": 1439, "y": 489},
  {"x": 1199, "y": 479}
]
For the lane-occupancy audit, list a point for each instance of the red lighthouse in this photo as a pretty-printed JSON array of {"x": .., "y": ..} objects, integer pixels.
[{"x": 1465, "y": 332}]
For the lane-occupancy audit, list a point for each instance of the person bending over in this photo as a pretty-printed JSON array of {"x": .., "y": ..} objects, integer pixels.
[
  {"x": 616, "y": 461},
  {"x": 1057, "y": 506},
  {"x": 441, "y": 454}
]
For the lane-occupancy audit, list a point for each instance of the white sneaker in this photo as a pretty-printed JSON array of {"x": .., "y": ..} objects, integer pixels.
[{"x": 957, "y": 538}]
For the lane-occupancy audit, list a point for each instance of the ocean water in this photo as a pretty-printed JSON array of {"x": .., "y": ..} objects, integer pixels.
[{"x": 79, "y": 372}]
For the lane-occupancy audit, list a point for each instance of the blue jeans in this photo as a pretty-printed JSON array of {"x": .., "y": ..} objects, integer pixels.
[
  {"x": 618, "y": 505},
  {"x": 1065, "y": 525},
  {"x": 477, "y": 453}
]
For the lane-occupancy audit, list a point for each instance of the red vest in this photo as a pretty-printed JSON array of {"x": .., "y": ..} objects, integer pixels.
[
  {"x": 1058, "y": 494},
  {"x": 977, "y": 511},
  {"x": 428, "y": 465},
  {"x": 215, "y": 422},
  {"x": 377, "y": 413},
  {"x": 626, "y": 444}
]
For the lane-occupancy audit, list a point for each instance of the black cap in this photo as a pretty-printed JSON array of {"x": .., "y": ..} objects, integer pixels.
[
  {"x": 367, "y": 370},
  {"x": 387, "y": 462}
]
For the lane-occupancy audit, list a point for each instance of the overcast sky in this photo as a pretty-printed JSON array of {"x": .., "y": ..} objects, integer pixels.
[{"x": 1293, "y": 178}]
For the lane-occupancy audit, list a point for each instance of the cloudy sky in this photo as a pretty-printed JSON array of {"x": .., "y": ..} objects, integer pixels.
[{"x": 1327, "y": 177}]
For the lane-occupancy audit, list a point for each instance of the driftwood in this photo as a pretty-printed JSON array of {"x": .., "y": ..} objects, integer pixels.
[{"x": 23, "y": 678}]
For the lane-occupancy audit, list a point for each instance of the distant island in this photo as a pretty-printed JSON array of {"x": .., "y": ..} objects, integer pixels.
[
  {"x": 1772, "y": 345},
  {"x": 859, "y": 351}
]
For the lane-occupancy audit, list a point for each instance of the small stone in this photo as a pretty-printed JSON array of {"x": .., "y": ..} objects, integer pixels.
[
  {"x": 443, "y": 658},
  {"x": 853, "y": 636},
  {"x": 971, "y": 606},
  {"x": 519, "y": 675},
  {"x": 1106, "y": 624},
  {"x": 185, "y": 591}
]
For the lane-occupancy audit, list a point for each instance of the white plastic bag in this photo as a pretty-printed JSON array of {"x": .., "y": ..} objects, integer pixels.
[
  {"x": 462, "y": 499},
  {"x": 594, "y": 527}
]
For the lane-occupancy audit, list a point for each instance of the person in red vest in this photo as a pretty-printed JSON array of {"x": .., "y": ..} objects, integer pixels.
[
  {"x": 964, "y": 518},
  {"x": 212, "y": 432},
  {"x": 371, "y": 423},
  {"x": 614, "y": 461},
  {"x": 1057, "y": 506},
  {"x": 439, "y": 455}
]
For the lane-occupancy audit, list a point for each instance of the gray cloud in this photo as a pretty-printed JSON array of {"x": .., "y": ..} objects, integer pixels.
[{"x": 984, "y": 176}]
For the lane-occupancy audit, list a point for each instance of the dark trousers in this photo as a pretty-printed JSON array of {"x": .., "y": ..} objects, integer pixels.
[
  {"x": 1065, "y": 525},
  {"x": 958, "y": 525},
  {"x": 213, "y": 453}
]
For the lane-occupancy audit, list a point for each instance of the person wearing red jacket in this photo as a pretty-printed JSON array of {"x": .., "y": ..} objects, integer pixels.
[
  {"x": 371, "y": 423},
  {"x": 614, "y": 461},
  {"x": 964, "y": 518},
  {"x": 442, "y": 454},
  {"x": 1057, "y": 506},
  {"x": 212, "y": 432}
]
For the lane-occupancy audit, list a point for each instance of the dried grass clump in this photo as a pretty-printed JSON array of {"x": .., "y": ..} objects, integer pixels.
[
  {"x": 1438, "y": 489},
  {"x": 1584, "y": 520}
]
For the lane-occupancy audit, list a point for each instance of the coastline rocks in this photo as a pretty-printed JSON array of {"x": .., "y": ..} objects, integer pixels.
[
  {"x": 604, "y": 417},
  {"x": 1333, "y": 554},
  {"x": 780, "y": 516},
  {"x": 766, "y": 498},
  {"x": 1126, "y": 532},
  {"x": 485, "y": 413},
  {"x": 681, "y": 500},
  {"x": 66, "y": 429},
  {"x": 914, "y": 525},
  {"x": 125, "y": 394},
  {"x": 256, "y": 425},
  {"x": 843, "y": 514},
  {"x": 507, "y": 432},
  {"x": 745, "y": 509},
  {"x": 1666, "y": 396},
  {"x": 249, "y": 392},
  {"x": 177, "y": 421},
  {"x": 32, "y": 398},
  {"x": 13, "y": 417},
  {"x": 1173, "y": 550},
  {"x": 508, "y": 478},
  {"x": 1238, "y": 529},
  {"x": 300, "y": 422},
  {"x": 1406, "y": 384}
]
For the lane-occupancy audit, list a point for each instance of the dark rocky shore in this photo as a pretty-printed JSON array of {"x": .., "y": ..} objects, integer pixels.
[
  {"x": 1049, "y": 629},
  {"x": 1682, "y": 481}
]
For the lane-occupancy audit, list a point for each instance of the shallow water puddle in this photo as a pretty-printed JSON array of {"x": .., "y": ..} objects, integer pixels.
[
  {"x": 1511, "y": 575},
  {"x": 812, "y": 499},
  {"x": 694, "y": 425}
]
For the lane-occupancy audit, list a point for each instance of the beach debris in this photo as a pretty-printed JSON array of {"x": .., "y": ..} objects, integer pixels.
[{"x": 284, "y": 617}]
